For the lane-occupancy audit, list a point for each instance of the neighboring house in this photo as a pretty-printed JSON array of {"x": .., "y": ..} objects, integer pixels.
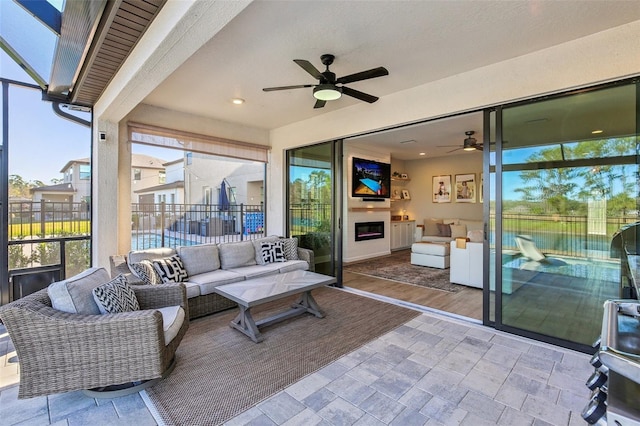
[
  {"x": 146, "y": 172},
  {"x": 60, "y": 193}
]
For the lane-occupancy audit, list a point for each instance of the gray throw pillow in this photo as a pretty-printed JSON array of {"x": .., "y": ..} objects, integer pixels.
[
  {"x": 75, "y": 295},
  {"x": 290, "y": 248},
  {"x": 116, "y": 296}
]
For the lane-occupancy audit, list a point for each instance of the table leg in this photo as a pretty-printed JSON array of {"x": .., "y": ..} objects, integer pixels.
[
  {"x": 245, "y": 324},
  {"x": 308, "y": 304}
]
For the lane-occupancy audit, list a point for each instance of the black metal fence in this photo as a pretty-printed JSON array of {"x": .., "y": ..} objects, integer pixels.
[{"x": 171, "y": 225}]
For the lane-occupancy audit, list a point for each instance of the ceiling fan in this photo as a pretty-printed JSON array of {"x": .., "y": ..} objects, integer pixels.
[
  {"x": 469, "y": 144},
  {"x": 327, "y": 88}
]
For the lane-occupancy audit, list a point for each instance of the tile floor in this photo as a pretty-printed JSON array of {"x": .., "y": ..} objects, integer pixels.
[{"x": 433, "y": 370}]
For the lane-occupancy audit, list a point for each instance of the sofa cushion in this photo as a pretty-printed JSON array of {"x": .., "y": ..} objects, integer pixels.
[
  {"x": 257, "y": 246},
  {"x": 272, "y": 252},
  {"x": 235, "y": 255},
  {"x": 294, "y": 265},
  {"x": 256, "y": 271},
  {"x": 431, "y": 226},
  {"x": 207, "y": 281},
  {"x": 193, "y": 289},
  {"x": 290, "y": 248},
  {"x": 172, "y": 320},
  {"x": 136, "y": 256},
  {"x": 458, "y": 231},
  {"x": 200, "y": 258},
  {"x": 146, "y": 272},
  {"x": 75, "y": 294},
  {"x": 115, "y": 297},
  {"x": 171, "y": 269},
  {"x": 473, "y": 225},
  {"x": 435, "y": 239}
]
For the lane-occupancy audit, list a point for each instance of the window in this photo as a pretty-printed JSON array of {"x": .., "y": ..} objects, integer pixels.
[
  {"x": 172, "y": 198},
  {"x": 68, "y": 176},
  {"x": 206, "y": 194},
  {"x": 162, "y": 177},
  {"x": 137, "y": 174},
  {"x": 85, "y": 172},
  {"x": 189, "y": 158}
]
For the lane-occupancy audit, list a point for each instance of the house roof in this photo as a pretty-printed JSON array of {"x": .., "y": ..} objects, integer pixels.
[
  {"x": 167, "y": 186},
  {"x": 142, "y": 161},
  {"x": 61, "y": 187},
  {"x": 70, "y": 163}
]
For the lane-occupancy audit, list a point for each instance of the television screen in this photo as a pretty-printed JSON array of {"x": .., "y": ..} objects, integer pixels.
[{"x": 370, "y": 179}]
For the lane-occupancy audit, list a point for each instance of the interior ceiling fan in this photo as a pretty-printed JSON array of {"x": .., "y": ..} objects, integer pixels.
[
  {"x": 327, "y": 88},
  {"x": 469, "y": 144}
]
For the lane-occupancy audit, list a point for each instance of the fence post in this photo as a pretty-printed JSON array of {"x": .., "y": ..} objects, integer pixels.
[
  {"x": 42, "y": 221},
  {"x": 242, "y": 222},
  {"x": 162, "y": 206}
]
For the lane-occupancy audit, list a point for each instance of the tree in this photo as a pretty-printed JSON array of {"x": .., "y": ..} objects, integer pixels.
[{"x": 20, "y": 188}]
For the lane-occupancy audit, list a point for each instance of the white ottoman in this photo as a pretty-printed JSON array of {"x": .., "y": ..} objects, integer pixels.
[{"x": 434, "y": 255}]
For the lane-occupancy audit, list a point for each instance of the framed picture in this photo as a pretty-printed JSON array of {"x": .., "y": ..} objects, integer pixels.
[
  {"x": 405, "y": 194},
  {"x": 396, "y": 194},
  {"x": 441, "y": 189},
  {"x": 465, "y": 189},
  {"x": 404, "y": 176}
]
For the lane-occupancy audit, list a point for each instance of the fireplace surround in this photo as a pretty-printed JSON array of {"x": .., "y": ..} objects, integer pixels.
[{"x": 369, "y": 230}]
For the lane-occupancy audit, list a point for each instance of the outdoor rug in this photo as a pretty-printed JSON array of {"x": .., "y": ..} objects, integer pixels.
[
  {"x": 397, "y": 267},
  {"x": 220, "y": 372}
]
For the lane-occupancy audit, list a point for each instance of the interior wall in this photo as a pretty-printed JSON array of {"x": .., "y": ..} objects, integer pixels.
[
  {"x": 357, "y": 210},
  {"x": 420, "y": 187}
]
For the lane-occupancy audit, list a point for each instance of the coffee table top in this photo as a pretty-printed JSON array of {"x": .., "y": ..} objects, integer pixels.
[{"x": 256, "y": 291}]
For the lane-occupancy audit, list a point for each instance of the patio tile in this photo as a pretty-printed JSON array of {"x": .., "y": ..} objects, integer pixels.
[
  {"x": 281, "y": 407},
  {"x": 443, "y": 411},
  {"x": 340, "y": 412},
  {"x": 533, "y": 387},
  {"x": 546, "y": 353},
  {"x": 444, "y": 384},
  {"x": 572, "y": 401},
  {"x": 307, "y": 386},
  {"x": 350, "y": 389},
  {"x": 368, "y": 420},
  {"x": 245, "y": 417},
  {"x": 486, "y": 378},
  {"x": 541, "y": 409},
  {"x": 511, "y": 342},
  {"x": 262, "y": 420},
  {"x": 377, "y": 365},
  {"x": 409, "y": 417},
  {"x": 393, "y": 354},
  {"x": 382, "y": 407},
  {"x": 334, "y": 370},
  {"x": 306, "y": 417},
  {"x": 511, "y": 417},
  {"x": 482, "y": 407},
  {"x": 96, "y": 415},
  {"x": 511, "y": 396},
  {"x": 63, "y": 404},
  {"x": 319, "y": 399},
  {"x": 14, "y": 410},
  {"x": 502, "y": 355}
]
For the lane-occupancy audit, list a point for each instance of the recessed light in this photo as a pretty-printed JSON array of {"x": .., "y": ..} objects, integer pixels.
[
  {"x": 237, "y": 101},
  {"x": 597, "y": 132},
  {"x": 423, "y": 153}
]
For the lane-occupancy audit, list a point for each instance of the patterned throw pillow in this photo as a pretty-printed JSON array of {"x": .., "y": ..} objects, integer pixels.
[
  {"x": 171, "y": 269},
  {"x": 445, "y": 230},
  {"x": 273, "y": 252},
  {"x": 146, "y": 272},
  {"x": 115, "y": 296},
  {"x": 290, "y": 248}
]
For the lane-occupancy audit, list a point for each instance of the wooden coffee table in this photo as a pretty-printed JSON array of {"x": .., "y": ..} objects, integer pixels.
[{"x": 256, "y": 291}]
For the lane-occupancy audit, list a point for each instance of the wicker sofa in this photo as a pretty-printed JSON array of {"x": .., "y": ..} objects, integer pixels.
[
  {"x": 211, "y": 265},
  {"x": 60, "y": 351}
]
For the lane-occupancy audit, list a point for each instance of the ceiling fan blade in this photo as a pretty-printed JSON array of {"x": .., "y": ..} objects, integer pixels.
[
  {"x": 308, "y": 67},
  {"x": 448, "y": 146},
  {"x": 299, "y": 86},
  {"x": 319, "y": 104},
  {"x": 454, "y": 150},
  {"x": 363, "y": 75},
  {"x": 359, "y": 95}
]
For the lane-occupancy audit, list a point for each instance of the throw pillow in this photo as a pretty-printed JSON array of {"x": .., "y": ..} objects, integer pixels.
[
  {"x": 290, "y": 248},
  {"x": 75, "y": 294},
  {"x": 115, "y": 296},
  {"x": 273, "y": 252},
  {"x": 171, "y": 269},
  {"x": 444, "y": 230},
  {"x": 431, "y": 226},
  {"x": 146, "y": 272},
  {"x": 458, "y": 231},
  {"x": 475, "y": 236}
]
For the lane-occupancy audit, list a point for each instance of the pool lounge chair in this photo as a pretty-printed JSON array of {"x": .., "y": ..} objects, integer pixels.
[{"x": 528, "y": 248}]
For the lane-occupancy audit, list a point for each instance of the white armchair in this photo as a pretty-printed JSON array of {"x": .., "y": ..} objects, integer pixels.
[{"x": 466, "y": 264}]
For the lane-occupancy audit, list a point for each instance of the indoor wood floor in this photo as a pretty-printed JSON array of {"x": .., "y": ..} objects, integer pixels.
[{"x": 467, "y": 302}]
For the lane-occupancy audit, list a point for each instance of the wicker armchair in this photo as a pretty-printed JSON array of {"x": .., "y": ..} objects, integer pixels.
[{"x": 61, "y": 352}]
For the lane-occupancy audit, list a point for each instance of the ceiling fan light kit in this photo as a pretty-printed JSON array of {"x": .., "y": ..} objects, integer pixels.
[
  {"x": 327, "y": 92},
  {"x": 327, "y": 88}
]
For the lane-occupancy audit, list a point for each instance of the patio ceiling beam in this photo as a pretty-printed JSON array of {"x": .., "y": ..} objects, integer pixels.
[{"x": 44, "y": 12}]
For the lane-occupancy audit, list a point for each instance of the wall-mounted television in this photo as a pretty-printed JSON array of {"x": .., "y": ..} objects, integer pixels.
[{"x": 370, "y": 179}]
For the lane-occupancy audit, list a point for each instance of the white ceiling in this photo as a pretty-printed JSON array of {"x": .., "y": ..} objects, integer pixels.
[{"x": 417, "y": 41}]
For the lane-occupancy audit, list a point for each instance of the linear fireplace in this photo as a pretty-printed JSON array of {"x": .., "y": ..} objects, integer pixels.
[{"x": 369, "y": 230}]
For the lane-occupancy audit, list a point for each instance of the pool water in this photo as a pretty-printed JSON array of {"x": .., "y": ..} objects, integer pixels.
[
  {"x": 592, "y": 269},
  {"x": 146, "y": 241}
]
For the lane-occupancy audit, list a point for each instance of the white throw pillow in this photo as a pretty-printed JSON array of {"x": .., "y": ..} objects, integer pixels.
[
  {"x": 475, "y": 236},
  {"x": 458, "y": 231}
]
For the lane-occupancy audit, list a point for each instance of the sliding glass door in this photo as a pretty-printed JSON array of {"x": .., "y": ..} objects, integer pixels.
[
  {"x": 314, "y": 199},
  {"x": 565, "y": 176}
]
